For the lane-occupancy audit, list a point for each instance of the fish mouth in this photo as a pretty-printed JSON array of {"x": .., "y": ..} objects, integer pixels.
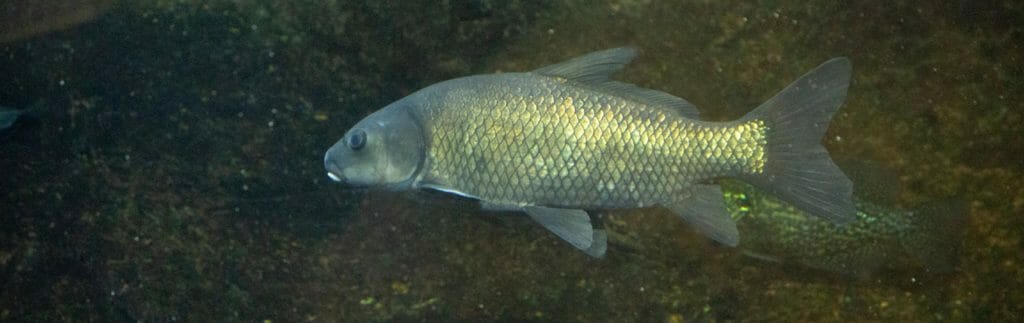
[
  {"x": 333, "y": 170},
  {"x": 334, "y": 173},
  {"x": 335, "y": 178}
]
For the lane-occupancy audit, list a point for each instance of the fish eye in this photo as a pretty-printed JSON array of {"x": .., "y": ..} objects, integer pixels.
[{"x": 357, "y": 139}]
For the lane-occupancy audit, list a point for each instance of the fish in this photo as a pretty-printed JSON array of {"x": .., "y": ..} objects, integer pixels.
[
  {"x": 775, "y": 231},
  {"x": 565, "y": 139},
  {"x": 8, "y": 116}
]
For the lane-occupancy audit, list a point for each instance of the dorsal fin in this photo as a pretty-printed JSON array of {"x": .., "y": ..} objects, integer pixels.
[{"x": 595, "y": 69}]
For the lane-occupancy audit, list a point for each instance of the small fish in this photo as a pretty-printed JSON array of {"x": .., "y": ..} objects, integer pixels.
[
  {"x": 776, "y": 231},
  {"x": 566, "y": 138},
  {"x": 8, "y": 116}
]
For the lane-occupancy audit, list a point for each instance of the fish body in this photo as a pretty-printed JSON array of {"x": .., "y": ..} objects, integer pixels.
[
  {"x": 566, "y": 138},
  {"x": 775, "y": 230},
  {"x": 558, "y": 145}
]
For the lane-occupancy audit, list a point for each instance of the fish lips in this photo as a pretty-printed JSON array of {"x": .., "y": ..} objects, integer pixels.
[
  {"x": 333, "y": 169},
  {"x": 335, "y": 173},
  {"x": 335, "y": 178}
]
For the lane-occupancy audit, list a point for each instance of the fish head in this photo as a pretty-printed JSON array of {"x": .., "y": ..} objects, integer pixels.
[{"x": 385, "y": 150}]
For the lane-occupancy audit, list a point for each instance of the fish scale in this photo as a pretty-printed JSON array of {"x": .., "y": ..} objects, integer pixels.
[{"x": 570, "y": 144}]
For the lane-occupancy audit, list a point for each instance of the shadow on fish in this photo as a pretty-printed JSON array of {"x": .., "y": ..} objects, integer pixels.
[{"x": 565, "y": 138}]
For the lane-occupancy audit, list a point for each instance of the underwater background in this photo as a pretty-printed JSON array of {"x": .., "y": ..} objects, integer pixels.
[{"x": 172, "y": 167}]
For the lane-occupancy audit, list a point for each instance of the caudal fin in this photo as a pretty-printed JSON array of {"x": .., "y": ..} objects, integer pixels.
[
  {"x": 934, "y": 238},
  {"x": 797, "y": 168}
]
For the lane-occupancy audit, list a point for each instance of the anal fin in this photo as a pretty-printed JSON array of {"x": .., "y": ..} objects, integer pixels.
[{"x": 600, "y": 244}]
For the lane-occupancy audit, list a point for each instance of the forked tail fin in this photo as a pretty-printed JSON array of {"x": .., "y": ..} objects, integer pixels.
[{"x": 797, "y": 167}]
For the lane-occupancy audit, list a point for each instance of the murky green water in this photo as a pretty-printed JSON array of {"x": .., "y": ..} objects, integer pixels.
[{"x": 175, "y": 171}]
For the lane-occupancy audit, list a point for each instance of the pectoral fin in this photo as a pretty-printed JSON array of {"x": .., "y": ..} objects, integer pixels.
[
  {"x": 704, "y": 208},
  {"x": 573, "y": 226}
]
